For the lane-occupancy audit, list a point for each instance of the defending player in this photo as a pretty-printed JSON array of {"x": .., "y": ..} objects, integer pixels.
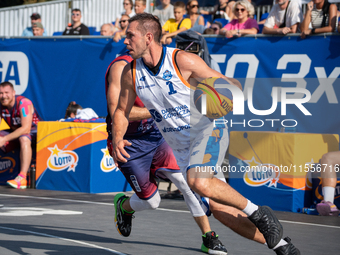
[{"x": 159, "y": 76}]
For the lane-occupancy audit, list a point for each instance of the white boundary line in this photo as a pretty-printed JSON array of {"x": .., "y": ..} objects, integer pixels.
[
  {"x": 66, "y": 239},
  {"x": 160, "y": 209}
]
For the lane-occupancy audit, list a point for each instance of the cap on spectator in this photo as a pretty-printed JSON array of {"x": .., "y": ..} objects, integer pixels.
[
  {"x": 218, "y": 24},
  {"x": 35, "y": 16},
  {"x": 38, "y": 24}
]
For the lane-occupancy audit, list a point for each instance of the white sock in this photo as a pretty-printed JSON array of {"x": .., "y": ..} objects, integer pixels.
[
  {"x": 328, "y": 193},
  {"x": 250, "y": 208},
  {"x": 281, "y": 243}
]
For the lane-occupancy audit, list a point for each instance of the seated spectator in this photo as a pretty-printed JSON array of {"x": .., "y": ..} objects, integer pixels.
[
  {"x": 216, "y": 26},
  {"x": 128, "y": 7},
  {"x": 177, "y": 25},
  {"x": 22, "y": 118},
  {"x": 164, "y": 11},
  {"x": 209, "y": 31},
  {"x": 140, "y": 6},
  {"x": 329, "y": 162},
  {"x": 223, "y": 10},
  {"x": 322, "y": 15},
  {"x": 124, "y": 22},
  {"x": 284, "y": 18},
  {"x": 77, "y": 28},
  {"x": 243, "y": 25},
  {"x": 197, "y": 20},
  {"x": 38, "y": 29},
  {"x": 107, "y": 29},
  {"x": 35, "y": 17},
  {"x": 75, "y": 111}
]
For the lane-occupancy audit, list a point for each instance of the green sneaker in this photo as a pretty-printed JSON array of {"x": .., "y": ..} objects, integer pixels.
[
  {"x": 122, "y": 219},
  {"x": 212, "y": 245}
]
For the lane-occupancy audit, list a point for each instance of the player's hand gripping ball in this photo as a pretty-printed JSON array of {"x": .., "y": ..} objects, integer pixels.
[{"x": 212, "y": 98}]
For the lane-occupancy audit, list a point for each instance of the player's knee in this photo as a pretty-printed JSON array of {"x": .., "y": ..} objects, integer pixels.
[
  {"x": 201, "y": 186},
  {"x": 24, "y": 141},
  {"x": 154, "y": 201}
]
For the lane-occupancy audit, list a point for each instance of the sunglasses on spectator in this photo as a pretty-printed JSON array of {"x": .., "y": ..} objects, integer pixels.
[
  {"x": 215, "y": 28},
  {"x": 75, "y": 14},
  {"x": 242, "y": 9},
  {"x": 123, "y": 21},
  {"x": 195, "y": 5},
  {"x": 126, "y": 3}
]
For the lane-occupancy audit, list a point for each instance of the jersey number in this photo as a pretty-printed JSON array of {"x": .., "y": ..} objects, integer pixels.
[{"x": 171, "y": 88}]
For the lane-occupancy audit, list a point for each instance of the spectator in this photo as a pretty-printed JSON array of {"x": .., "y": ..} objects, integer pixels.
[
  {"x": 330, "y": 161},
  {"x": 107, "y": 29},
  {"x": 322, "y": 16},
  {"x": 77, "y": 28},
  {"x": 35, "y": 17},
  {"x": 22, "y": 118},
  {"x": 209, "y": 31},
  {"x": 284, "y": 18},
  {"x": 216, "y": 26},
  {"x": 164, "y": 11},
  {"x": 223, "y": 10},
  {"x": 140, "y": 6},
  {"x": 124, "y": 22},
  {"x": 128, "y": 7},
  {"x": 38, "y": 29},
  {"x": 174, "y": 26},
  {"x": 75, "y": 111},
  {"x": 243, "y": 25},
  {"x": 197, "y": 20}
]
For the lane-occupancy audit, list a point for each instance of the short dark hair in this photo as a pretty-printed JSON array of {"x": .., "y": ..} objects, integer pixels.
[
  {"x": 148, "y": 23},
  {"x": 76, "y": 10},
  {"x": 6, "y": 83},
  {"x": 179, "y": 4}
]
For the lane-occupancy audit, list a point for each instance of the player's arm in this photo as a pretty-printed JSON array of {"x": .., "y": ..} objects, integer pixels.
[
  {"x": 120, "y": 120},
  {"x": 116, "y": 70},
  {"x": 192, "y": 66},
  {"x": 26, "y": 116}
]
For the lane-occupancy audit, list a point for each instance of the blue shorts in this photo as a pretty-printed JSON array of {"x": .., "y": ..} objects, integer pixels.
[{"x": 148, "y": 155}]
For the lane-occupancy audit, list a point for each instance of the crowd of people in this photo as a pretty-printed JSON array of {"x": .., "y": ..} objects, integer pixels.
[{"x": 285, "y": 17}]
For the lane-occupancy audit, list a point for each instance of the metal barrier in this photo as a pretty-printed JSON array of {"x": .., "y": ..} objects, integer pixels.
[
  {"x": 55, "y": 15},
  {"x": 14, "y": 20}
]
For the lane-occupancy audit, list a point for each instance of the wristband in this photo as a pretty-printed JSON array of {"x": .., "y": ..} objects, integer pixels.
[{"x": 313, "y": 31}]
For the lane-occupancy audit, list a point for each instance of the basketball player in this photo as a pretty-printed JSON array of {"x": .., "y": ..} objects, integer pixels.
[
  {"x": 159, "y": 76},
  {"x": 148, "y": 153}
]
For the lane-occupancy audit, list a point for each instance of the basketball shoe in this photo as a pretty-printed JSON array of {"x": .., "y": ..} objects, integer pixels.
[
  {"x": 288, "y": 249},
  {"x": 266, "y": 221},
  {"x": 212, "y": 245},
  {"x": 122, "y": 219},
  {"x": 19, "y": 182},
  {"x": 326, "y": 208}
]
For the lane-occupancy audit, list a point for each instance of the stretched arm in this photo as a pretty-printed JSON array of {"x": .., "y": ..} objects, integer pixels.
[
  {"x": 120, "y": 120},
  {"x": 306, "y": 21},
  {"x": 173, "y": 34},
  {"x": 26, "y": 116},
  {"x": 192, "y": 66}
]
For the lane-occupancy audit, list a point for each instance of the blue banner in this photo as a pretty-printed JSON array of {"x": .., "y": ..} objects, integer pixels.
[{"x": 52, "y": 72}]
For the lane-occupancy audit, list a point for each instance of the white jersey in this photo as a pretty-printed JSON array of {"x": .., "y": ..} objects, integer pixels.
[{"x": 169, "y": 99}]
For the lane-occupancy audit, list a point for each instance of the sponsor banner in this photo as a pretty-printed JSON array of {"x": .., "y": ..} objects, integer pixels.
[
  {"x": 45, "y": 71},
  {"x": 9, "y": 166},
  {"x": 74, "y": 157},
  {"x": 267, "y": 166}
]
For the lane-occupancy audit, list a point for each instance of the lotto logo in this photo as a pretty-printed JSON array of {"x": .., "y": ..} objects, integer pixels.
[{"x": 14, "y": 67}]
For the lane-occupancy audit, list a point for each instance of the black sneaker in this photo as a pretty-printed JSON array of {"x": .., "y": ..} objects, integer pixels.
[
  {"x": 212, "y": 245},
  {"x": 288, "y": 249},
  {"x": 122, "y": 220},
  {"x": 266, "y": 221}
]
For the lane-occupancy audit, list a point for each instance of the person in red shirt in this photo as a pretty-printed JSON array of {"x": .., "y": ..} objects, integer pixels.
[{"x": 22, "y": 118}]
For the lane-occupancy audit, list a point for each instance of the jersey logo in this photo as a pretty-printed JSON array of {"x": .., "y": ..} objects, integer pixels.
[
  {"x": 167, "y": 75},
  {"x": 156, "y": 115},
  {"x": 142, "y": 79}
]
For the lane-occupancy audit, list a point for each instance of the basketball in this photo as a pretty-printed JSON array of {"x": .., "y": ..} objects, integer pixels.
[{"x": 212, "y": 98}]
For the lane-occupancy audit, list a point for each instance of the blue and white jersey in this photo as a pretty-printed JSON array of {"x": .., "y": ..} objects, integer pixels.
[{"x": 169, "y": 99}]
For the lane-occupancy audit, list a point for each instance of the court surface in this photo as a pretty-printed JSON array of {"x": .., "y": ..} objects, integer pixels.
[{"x": 53, "y": 222}]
